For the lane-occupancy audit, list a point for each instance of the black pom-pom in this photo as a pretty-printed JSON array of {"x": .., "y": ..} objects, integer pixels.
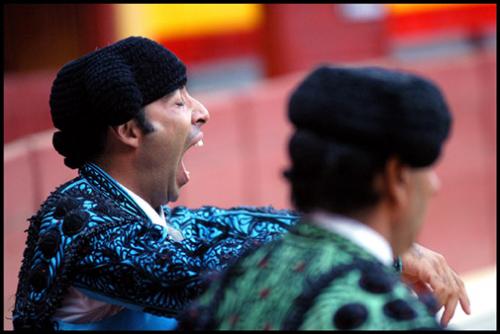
[
  {"x": 74, "y": 221},
  {"x": 199, "y": 317},
  {"x": 350, "y": 316},
  {"x": 39, "y": 278},
  {"x": 85, "y": 247},
  {"x": 65, "y": 205},
  {"x": 49, "y": 243},
  {"x": 400, "y": 310},
  {"x": 375, "y": 283},
  {"x": 106, "y": 207}
]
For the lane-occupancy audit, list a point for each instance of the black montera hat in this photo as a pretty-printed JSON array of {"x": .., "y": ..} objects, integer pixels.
[
  {"x": 110, "y": 85},
  {"x": 374, "y": 108}
]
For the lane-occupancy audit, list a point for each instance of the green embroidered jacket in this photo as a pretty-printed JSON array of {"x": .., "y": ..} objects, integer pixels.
[{"x": 310, "y": 279}]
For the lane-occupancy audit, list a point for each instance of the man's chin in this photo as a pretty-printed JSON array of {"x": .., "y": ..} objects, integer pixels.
[{"x": 173, "y": 195}]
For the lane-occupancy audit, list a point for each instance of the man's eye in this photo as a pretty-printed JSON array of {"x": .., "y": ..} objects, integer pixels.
[{"x": 179, "y": 104}]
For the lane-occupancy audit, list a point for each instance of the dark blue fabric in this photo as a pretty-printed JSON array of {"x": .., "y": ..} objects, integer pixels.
[{"x": 106, "y": 244}]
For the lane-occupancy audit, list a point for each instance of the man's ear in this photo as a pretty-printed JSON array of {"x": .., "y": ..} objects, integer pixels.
[
  {"x": 396, "y": 178},
  {"x": 127, "y": 133}
]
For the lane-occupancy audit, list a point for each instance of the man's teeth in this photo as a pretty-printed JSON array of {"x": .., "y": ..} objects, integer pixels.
[{"x": 199, "y": 143}]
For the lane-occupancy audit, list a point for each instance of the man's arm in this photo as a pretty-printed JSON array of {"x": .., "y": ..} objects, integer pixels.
[
  {"x": 210, "y": 223},
  {"x": 139, "y": 266}
]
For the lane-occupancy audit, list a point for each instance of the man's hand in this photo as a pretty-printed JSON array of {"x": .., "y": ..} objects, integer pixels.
[{"x": 427, "y": 271}]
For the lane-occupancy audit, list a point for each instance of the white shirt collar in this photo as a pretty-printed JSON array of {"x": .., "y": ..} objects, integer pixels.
[
  {"x": 360, "y": 234},
  {"x": 156, "y": 218}
]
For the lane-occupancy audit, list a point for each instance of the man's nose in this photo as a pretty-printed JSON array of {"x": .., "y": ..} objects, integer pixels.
[{"x": 200, "y": 114}]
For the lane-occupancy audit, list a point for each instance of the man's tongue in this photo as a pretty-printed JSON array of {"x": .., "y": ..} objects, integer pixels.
[{"x": 182, "y": 174}]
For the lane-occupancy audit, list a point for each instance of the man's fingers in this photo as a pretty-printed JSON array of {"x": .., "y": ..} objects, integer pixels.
[
  {"x": 449, "y": 311},
  {"x": 440, "y": 290},
  {"x": 465, "y": 303},
  {"x": 449, "y": 292},
  {"x": 464, "y": 297}
]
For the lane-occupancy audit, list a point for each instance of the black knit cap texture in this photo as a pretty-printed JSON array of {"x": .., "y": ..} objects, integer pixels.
[
  {"x": 374, "y": 108},
  {"x": 110, "y": 85}
]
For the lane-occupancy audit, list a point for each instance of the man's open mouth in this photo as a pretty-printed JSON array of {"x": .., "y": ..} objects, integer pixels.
[{"x": 182, "y": 172}]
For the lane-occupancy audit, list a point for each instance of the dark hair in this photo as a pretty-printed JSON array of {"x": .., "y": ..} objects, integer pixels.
[
  {"x": 143, "y": 123},
  {"x": 330, "y": 175},
  {"x": 84, "y": 144}
]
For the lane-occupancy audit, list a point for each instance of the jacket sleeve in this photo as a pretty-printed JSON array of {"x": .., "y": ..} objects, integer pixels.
[
  {"x": 210, "y": 223},
  {"x": 139, "y": 266}
]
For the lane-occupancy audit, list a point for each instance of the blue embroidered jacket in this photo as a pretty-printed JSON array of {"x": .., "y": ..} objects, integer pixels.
[{"x": 90, "y": 234}]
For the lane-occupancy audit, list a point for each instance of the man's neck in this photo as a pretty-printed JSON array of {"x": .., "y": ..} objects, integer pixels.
[
  {"x": 378, "y": 219},
  {"x": 126, "y": 175},
  {"x": 357, "y": 232}
]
